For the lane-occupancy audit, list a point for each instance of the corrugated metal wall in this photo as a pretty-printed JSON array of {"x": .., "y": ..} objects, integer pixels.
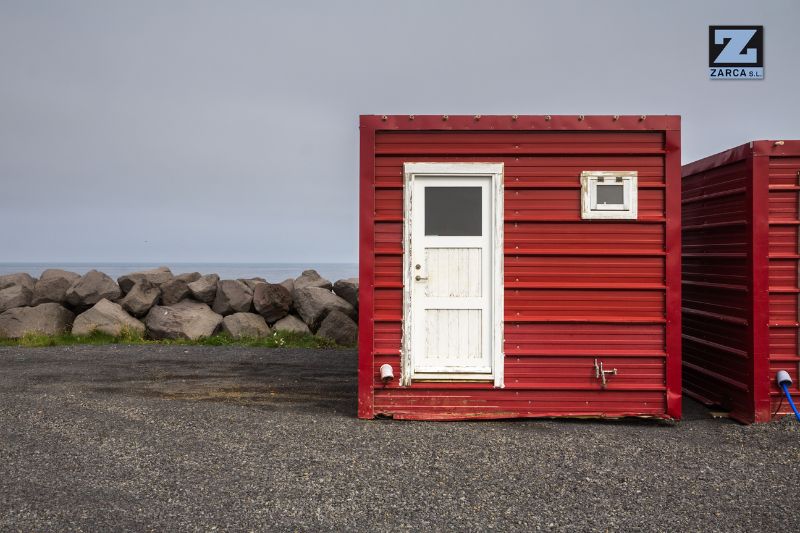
[
  {"x": 784, "y": 200},
  {"x": 740, "y": 277},
  {"x": 717, "y": 360},
  {"x": 575, "y": 290}
]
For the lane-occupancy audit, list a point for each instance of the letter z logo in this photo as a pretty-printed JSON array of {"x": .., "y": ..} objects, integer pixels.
[
  {"x": 736, "y": 52},
  {"x": 734, "y": 46}
]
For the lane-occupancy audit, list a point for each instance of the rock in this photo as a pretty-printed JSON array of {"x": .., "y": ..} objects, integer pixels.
[
  {"x": 339, "y": 328},
  {"x": 184, "y": 320},
  {"x": 52, "y": 286},
  {"x": 347, "y": 289},
  {"x": 252, "y": 282},
  {"x": 188, "y": 277},
  {"x": 204, "y": 289},
  {"x": 91, "y": 288},
  {"x": 233, "y": 296},
  {"x": 291, "y": 324},
  {"x": 245, "y": 325},
  {"x": 141, "y": 298},
  {"x": 310, "y": 278},
  {"x": 314, "y": 303},
  {"x": 47, "y": 319},
  {"x": 174, "y": 291},
  {"x": 289, "y": 284},
  {"x": 57, "y": 273},
  {"x": 272, "y": 301},
  {"x": 157, "y": 276},
  {"x": 106, "y": 317},
  {"x": 15, "y": 296},
  {"x": 20, "y": 278}
]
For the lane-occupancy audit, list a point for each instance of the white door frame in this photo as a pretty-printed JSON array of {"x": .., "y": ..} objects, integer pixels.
[{"x": 494, "y": 171}]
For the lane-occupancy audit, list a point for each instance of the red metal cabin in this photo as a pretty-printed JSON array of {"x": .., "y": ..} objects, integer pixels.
[
  {"x": 740, "y": 277},
  {"x": 519, "y": 266}
]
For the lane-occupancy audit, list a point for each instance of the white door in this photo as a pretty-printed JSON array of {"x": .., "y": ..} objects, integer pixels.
[{"x": 451, "y": 226}]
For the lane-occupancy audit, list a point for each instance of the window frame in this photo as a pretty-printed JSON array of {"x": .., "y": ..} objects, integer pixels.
[{"x": 628, "y": 210}]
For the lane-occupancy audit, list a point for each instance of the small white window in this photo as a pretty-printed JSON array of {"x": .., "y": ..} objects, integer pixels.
[{"x": 609, "y": 194}]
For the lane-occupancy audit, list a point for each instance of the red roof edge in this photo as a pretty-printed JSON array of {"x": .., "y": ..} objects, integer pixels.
[
  {"x": 738, "y": 153},
  {"x": 522, "y": 122},
  {"x": 731, "y": 155},
  {"x": 776, "y": 147}
]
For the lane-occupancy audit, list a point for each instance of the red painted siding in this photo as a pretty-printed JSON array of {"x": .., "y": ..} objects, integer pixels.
[
  {"x": 784, "y": 352},
  {"x": 575, "y": 290},
  {"x": 716, "y": 359},
  {"x": 740, "y": 277}
]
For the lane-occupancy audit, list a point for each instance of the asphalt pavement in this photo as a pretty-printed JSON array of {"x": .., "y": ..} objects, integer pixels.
[{"x": 177, "y": 438}]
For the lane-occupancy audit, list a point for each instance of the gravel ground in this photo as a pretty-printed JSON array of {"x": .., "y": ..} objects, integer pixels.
[{"x": 196, "y": 438}]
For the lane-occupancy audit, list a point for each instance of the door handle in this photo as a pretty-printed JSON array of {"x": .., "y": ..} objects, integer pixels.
[{"x": 420, "y": 278}]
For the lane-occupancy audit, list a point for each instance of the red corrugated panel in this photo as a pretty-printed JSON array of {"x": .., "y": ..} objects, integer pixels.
[
  {"x": 548, "y": 171},
  {"x": 502, "y": 143},
  {"x": 541, "y": 238},
  {"x": 585, "y": 271},
  {"x": 574, "y": 290},
  {"x": 740, "y": 273},
  {"x": 560, "y": 339},
  {"x": 784, "y": 201}
]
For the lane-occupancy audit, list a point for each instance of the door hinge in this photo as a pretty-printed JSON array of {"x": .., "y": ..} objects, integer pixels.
[{"x": 600, "y": 373}]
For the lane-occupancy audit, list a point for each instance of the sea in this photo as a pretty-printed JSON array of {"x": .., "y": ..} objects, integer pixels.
[{"x": 272, "y": 272}]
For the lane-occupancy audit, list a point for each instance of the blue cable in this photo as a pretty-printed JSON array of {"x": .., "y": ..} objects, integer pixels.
[{"x": 785, "y": 388}]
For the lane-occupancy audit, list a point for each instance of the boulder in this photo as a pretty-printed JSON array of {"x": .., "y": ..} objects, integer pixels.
[
  {"x": 347, "y": 289},
  {"x": 174, "y": 291},
  {"x": 245, "y": 325},
  {"x": 314, "y": 303},
  {"x": 188, "y": 277},
  {"x": 252, "y": 282},
  {"x": 204, "y": 289},
  {"x": 141, "y": 298},
  {"x": 184, "y": 320},
  {"x": 47, "y": 319},
  {"x": 310, "y": 278},
  {"x": 291, "y": 324},
  {"x": 289, "y": 284},
  {"x": 15, "y": 296},
  {"x": 233, "y": 296},
  {"x": 91, "y": 288},
  {"x": 156, "y": 276},
  {"x": 272, "y": 301},
  {"x": 20, "y": 278},
  {"x": 52, "y": 286},
  {"x": 57, "y": 273},
  {"x": 339, "y": 328},
  {"x": 106, "y": 317}
]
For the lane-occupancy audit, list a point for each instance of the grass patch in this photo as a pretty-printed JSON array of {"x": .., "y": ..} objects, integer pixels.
[{"x": 277, "y": 339}]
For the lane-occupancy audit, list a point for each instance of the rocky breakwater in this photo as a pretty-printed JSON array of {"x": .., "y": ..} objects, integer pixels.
[{"x": 161, "y": 305}]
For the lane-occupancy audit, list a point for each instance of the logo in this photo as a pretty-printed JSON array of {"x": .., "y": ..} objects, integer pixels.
[{"x": 736, "y": 52}]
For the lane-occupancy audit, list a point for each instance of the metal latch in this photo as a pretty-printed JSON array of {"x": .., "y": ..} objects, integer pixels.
[{"x": 600, "y": 373}]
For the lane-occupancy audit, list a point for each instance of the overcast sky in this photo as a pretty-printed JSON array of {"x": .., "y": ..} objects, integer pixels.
[{"x": 170, "y": 131}]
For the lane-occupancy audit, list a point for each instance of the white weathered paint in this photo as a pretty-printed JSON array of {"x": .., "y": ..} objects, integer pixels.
[
  {"x": 453, "y": 316},
  {"x": 628, "y": 210},
  {"x": 453, "y": 340},
  {"x": 453, "y": 272}
]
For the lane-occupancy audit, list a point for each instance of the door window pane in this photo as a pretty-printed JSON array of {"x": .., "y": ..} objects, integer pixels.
[
  {"x": 453, "y": 211},
  {"x": 610, "y": 194}
]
